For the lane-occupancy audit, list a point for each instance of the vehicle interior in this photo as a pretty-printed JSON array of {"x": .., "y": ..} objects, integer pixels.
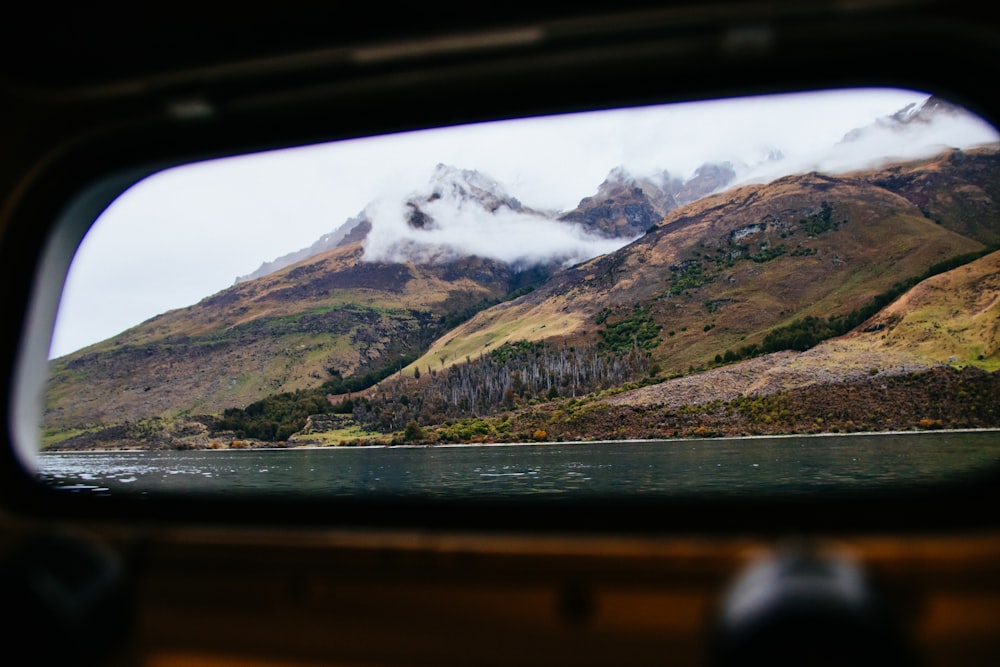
[{"x": 94, "y": 101}]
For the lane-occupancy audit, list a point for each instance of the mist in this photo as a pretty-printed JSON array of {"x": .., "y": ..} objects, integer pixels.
[
  {"x": 887, "y": 140},
  {"x": 461, "y": 226}
]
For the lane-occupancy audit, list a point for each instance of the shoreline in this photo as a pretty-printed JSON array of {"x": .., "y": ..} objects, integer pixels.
[{"x": 535, "y": 444}]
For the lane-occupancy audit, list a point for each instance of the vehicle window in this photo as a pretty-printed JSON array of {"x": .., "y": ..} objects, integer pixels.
[{"x": 783, "y": 293}]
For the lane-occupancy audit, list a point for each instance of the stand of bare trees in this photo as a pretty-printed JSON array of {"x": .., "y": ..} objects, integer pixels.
[{"x": 514, "y": 374}]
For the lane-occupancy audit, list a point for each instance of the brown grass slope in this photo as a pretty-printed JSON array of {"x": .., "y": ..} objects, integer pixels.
[
  {"x": 952, "y": 318},
  {"x": 958, "y": 189},
  {"x": 283, "y": 332},
  {"x": 723, "y": 272},
  {"x": 948, "y": 320}
]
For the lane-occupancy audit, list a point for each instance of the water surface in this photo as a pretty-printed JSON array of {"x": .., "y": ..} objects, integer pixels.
[{"x": 670, "y": 467}]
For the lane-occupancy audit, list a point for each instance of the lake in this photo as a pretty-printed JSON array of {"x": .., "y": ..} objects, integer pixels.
[{"x": 666, "y": 467}]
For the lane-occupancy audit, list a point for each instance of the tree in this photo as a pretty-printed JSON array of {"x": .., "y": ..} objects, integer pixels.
[{"x": 413, "y": 432}]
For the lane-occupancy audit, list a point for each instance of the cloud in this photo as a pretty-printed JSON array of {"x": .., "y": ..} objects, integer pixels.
[
  {"x": 887, "y": 139},
  {"x": 462, "y": 226}
]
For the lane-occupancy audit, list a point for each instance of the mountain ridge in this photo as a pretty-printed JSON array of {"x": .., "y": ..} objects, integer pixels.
[
  {"x": 714, "y": 249},
  {"x": 668, "y": 275},
  {"x": 682, "y": 294}
]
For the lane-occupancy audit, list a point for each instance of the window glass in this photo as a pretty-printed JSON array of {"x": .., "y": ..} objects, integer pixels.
[{"x": 791, "y": 293}]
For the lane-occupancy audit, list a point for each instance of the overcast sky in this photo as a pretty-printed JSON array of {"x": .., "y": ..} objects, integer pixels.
[{"x": 186, "y": 233}]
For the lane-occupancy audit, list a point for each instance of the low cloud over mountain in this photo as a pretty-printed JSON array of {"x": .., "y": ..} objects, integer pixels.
[
  {"x": 464, "y": 212},
  {"x": 916, "y": 131}
]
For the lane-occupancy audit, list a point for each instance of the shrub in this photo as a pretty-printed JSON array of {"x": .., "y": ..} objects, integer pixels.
[{"x": 413, "y": 432}]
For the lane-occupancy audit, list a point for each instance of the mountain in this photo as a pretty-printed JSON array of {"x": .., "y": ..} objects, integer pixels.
[
  {"x": 465, "y": 185},
  {"x": 450, "y": 192},
  {"x": 959, "y": 191},
  {"x": 725, "y": 271},
  {"x": 717, "y": 279},
  {"x": 346, "y": 306},
  {"x": 929, "y": 360},
  {"x": 911, "y": 117},
  {"x": 331, "y": 316},
  {"x": 625, "y": 205},
  {"x": 949, "y": 319},
  {"x": 922, "y": 354},
  {"x": 622, "y": 209}
]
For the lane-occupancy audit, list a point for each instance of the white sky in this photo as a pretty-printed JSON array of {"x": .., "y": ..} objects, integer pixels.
[{"x": 186, "y": 233}]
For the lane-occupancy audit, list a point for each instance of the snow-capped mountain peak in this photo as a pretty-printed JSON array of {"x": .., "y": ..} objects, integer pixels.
[{"x": 466, "y": 185}]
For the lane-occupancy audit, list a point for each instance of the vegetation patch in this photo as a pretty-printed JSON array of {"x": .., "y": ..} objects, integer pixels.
[
  {"x": 347, "y": 436},
  {"x": 819, "y": 222},
  {"x": 637, "y": 331},
  {"x": 766, "y": 254},
  {"x": 688, "y": 275}
]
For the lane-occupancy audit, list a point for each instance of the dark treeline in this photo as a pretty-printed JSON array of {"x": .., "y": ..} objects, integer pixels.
[
  {"x": 278, "y": 416},
  {"x": 274, "y": 418},
  {"x": 513, "y": 374},
  {"x": 353, "y": 383}
]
